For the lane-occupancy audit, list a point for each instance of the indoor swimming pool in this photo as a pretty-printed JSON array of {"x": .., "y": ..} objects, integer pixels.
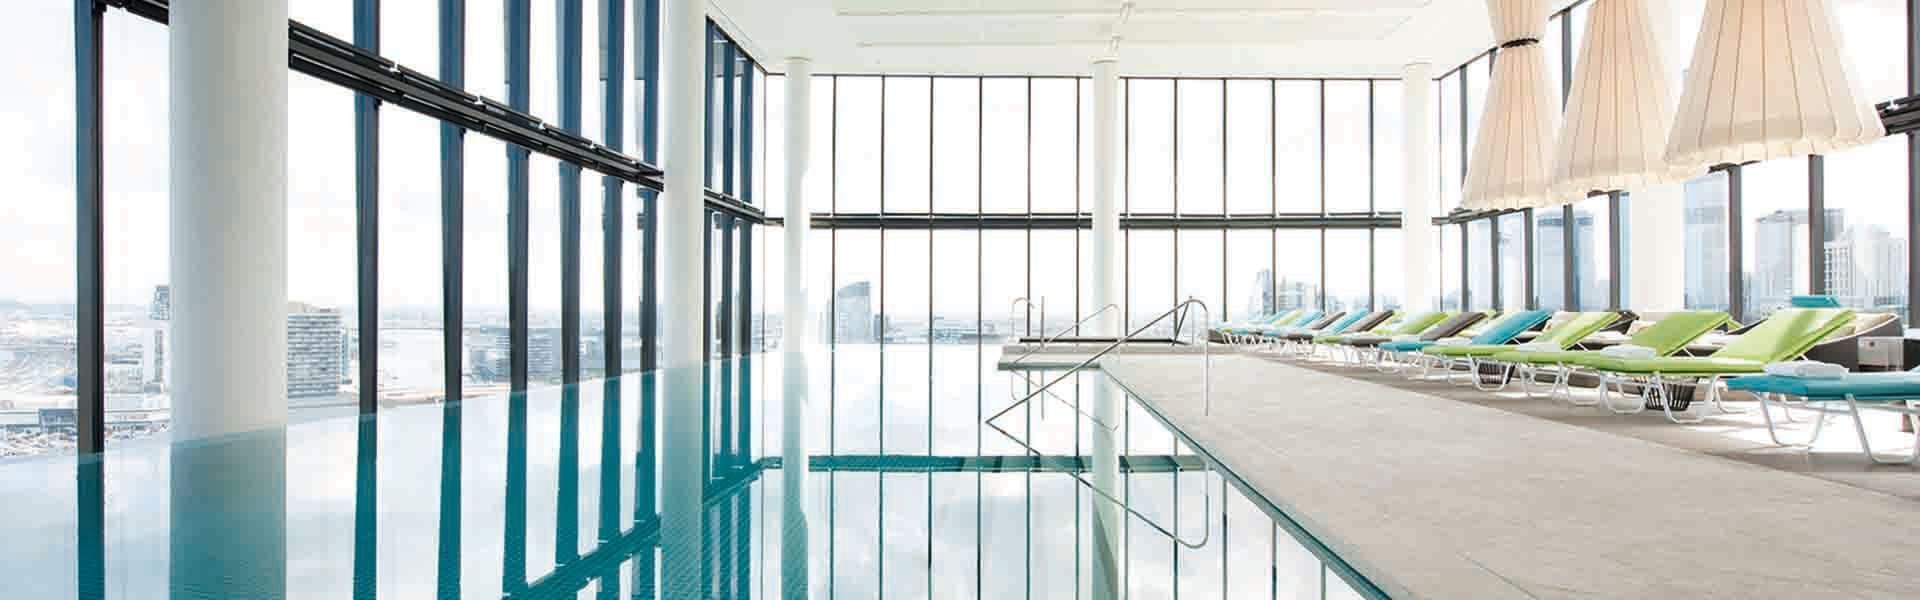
[{"x": 914, "y": 489}]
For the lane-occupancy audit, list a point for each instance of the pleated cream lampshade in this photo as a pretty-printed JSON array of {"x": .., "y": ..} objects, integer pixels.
[
  {"x": 1512, "y": 161},
  {"x": 1768, "y": 80},
  {"x": 1614, "y": 137}
]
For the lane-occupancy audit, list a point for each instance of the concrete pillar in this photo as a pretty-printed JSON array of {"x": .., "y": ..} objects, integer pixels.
[
  {"x": 228, "y": 122},
  {"x": 1107, "y": 549},
  {"x": 1106, "y": 201},
  {"x": 1656, "y": 216},
  {"x": 794, "y": 556},
  {"x": 1416, "y": 223},
  {"x": 227, "y": 97},
  {"x": 682, "y": 257}
]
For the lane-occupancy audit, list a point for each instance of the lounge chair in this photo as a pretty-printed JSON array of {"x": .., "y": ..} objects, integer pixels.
[
  {"x": 1352, "y": 344},
  {"x": 1249, "y": 333},
  {"x": 1497, "y": 330},
  {"x": 1318, "y": 321},
  {"x": 1289, "y": 340},
  {"x": 1892, "y": 392},
  {"x": 1785, "y": 335},
  {"x": 1373, "y": 321},
  {"x": 1665, "y": 337},
  {"x": 1466, "y": 324},
  {"x": 1230, "y": 330},
  {"x": 1558, "y": 337}
]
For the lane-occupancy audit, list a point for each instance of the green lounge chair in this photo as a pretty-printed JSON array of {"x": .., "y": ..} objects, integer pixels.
[
  {"x": 1235, "y": 332},
  {"x": 1561, "y": 336},
  {"x": 1785, "y": 335},
  {"x": 1353, "y": 344},
  {"x": 1665, "y": 337}
]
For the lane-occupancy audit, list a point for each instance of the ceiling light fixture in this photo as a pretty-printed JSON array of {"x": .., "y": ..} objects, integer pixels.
[
  {"x": 1614, "y": 137},
  {"x": 1768, "y": 80},
  {"x": 1511, "y": 162}
]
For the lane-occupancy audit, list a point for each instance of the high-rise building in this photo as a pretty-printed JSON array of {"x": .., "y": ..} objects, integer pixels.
[
  {"x": 314, "y": 363},
  {"x": 543, "y": 352},
  {"x": 162, "y": 307},
  {"x": 852, "y": 320},
  {"x": 1867, "y": 268},
  {"x": 1260, "y": 302},
  {"x": 1780, "y": 256}
]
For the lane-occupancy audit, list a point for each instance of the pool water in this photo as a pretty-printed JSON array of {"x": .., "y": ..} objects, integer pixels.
[{"x": 914, "y": 489}]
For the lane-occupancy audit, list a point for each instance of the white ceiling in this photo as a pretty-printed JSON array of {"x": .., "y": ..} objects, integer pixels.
[{"x": 1254, "y": 38}]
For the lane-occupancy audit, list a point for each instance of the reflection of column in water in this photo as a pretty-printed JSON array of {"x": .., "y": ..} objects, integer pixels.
[
  {"x": 793, "y": 476},
  {"x": 1106, "y": 477},
  {"x": 228, "y": 521}
]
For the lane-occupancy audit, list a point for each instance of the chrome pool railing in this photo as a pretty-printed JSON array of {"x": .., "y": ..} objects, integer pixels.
[{"x": 1063, "y": 331}]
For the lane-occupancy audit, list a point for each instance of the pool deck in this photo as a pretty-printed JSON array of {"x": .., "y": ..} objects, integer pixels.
[{"x": 1430, "y": 497}]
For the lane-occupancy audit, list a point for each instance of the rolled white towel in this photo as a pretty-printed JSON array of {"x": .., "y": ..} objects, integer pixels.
[
  {"x": 1405, "y": 338},
  {"x": 1629, "y": 351},
  {"x": 1454, "y": 341},
  {"x": 1538, "y": 347},
  {"x": 1807, "y": 369}
]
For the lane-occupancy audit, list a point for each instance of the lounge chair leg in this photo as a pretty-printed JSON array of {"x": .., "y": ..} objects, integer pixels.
[
  {"x": 1773, "y": 432},
  {"x": 1665, "y": 396},
  {"x": 1479, "y": 383},
  {"x": 1860, "y": 427}
]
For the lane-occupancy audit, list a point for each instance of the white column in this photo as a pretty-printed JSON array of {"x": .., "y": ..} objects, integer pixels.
[
  {"x": 1106, "y": 202},
  {"x": 1416, "y": 224},
  {"x": 1106, "y": 549},
  {"x": 1656, "y": 216},
  {"x": 227, "y": 121},
  {"x": 794, "y": 557},
  {"x": 683, "y": 255}
]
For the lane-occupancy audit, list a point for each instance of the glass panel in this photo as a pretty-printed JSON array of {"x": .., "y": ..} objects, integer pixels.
[
  {"x": 1452, "y": 164},
  {"x": 1250, "y": 147},
  {"x": 408, "y": 33},
  {"x": 856, "y": 296},
  {"x": 1389, "y": 268},
  {"x": 334, "y": 17},
  {"x": 1003, "y": 141},
  {"x": 956, "y": 322},
  {"x": 1480, "y": 292},
  {"x": 1149, "y": 145},
  {"x": 321, "y": 279},
  {"x": 1000, "y": 286},
  {"x": 856, "y": 145},
  {"x": 593, "y": 279},
  {"x": 544, "y": 83},
  {"x": 1549, "y": 258},
  {"x": 1513, "y": 261},
  {"x": 1201, "y": 137},
  {"x": 1451, "y": 292},
  {"x": 39, "y": 331},
  {"x": 820, "y": 164},
  {"x": 486, "y": 34},
  {"x": 1055, "y": 135},
  {"x": 1348, "y": 182},
  {"x": 1250, "y": 283},
  {"x": 1707, "y": 265},
  {"x": 908, "y": 132},
  {"x": 771, "y": 145},
  {"x": 1150, "y": 279},
  {"x": 543, "y": 272},
  {"x": 1477, "y": 79},
  {"x": 1593, "y": 251},
  {"x": 1348, "y": 262},
  {"x": 956, "y": 145},
  {"x": 483, "y": 278},
  {"x": 1866, "y": 243},
  {"x": 1052, "y": 278},
  {"x": 1389, "y": 188},
  {"x": 905, "y": 302},
  {"x": 1201, "y": 268},
  {"x": 1296, "y": 134},
  {"x": 1297, "y": 260},
  {"x": 1774, "y": 202},
  {"x": 412, "y": 366}
]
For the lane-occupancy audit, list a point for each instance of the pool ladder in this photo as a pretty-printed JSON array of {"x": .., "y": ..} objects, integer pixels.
[{"x": 1178, "y": 313}]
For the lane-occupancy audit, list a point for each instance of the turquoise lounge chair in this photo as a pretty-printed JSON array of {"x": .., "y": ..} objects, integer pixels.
[{"x": 1892, "y": 392}]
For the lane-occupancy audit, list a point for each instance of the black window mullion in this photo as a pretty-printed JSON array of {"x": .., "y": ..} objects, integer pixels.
[{"x": 366, "y": 145}]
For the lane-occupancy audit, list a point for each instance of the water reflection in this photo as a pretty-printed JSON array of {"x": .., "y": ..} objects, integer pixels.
[{"x": 463, "y": 500}]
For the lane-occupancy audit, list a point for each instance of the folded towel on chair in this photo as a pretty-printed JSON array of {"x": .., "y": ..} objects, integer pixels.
[
  {"x": 1453, "y": 341},
  {"x": 1810, "y": 369},
  {"x": 1537, "y": 347},
  {"x": 1629, "y": 351}
]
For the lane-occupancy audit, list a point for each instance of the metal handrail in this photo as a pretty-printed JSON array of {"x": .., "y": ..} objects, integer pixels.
[
  {"x": 1206, "y": 356},
  {"x": 1206, "y": 395},
  {"x": 1014, "y": 391},
  {"x": 1013, "y": 314},
  {"x": 1063, "y": 331}
]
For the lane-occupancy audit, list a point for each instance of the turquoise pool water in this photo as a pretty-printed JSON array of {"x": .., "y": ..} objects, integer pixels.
[{"x": 910, "y": 493}]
